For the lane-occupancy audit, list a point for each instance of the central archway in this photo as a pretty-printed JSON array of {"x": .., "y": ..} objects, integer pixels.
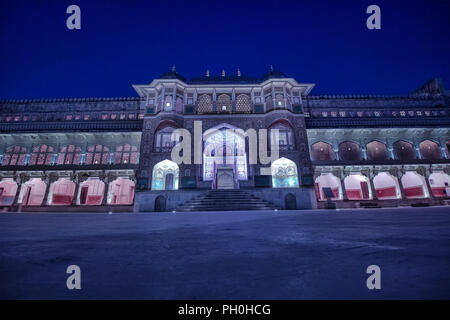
[{"x": 224, "y": 147}]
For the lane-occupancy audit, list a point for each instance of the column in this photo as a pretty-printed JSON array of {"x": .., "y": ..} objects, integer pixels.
[
  {"x": 75, "y": 179},
  {"x": 372, "y": 186},
  {"x": 344, "y": 194}
]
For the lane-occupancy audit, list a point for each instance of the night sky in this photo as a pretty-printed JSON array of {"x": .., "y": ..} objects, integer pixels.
[{"x": 125, "y": 42}]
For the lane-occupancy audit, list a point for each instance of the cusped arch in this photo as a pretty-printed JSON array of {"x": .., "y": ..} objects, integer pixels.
[
  {"x": 243, "y": 104},
  {"x": 322, "y": 151},
  {"x": 349, "y": 151},
  {"x": 376, "y": 150},
  {"x": 404, "y": 150},
  {"x": 204, "y": 104},
  {"x": 223, "y": 103},
  {"x": 430, "y": 150}
]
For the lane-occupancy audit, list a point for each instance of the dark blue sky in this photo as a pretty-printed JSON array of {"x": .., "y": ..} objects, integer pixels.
[{"x": 131, "y": 42}]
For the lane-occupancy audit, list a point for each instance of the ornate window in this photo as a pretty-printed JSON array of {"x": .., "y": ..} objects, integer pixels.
[
  {"x": 243, "y": 104},
  {"x": 97, "y": 154},
  {"x": 15, "y": 155},
  {"x": 163, "y": 141},
  {"x": 126, "y": 154},
  {"x": 204, "y": 104},
  {"x": 69, "y": 154},
  {"x": 285, "y": 136},
  {"x": 41, "y": 155},
  {"x": 223, "y": 103}
]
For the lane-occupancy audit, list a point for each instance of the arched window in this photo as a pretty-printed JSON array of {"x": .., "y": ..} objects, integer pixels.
[
  {"x": 223, "y": 103},
  {"x": 284, "y": 174},
  {"x": 163, "y": 139},
  {"x": 285, "y": 136},
  {"x": 69, "y": 154},
  {"x": 204, "y": 104},
  {"x": 430, "y": 150},
  {"x": 98, "y": 154},
  {"x": 376, "y": 151},
  {"x": 243, "y": 104},
  {"x": 322, "y": 151},
  {"x": 404, "y": 150},
  {"x": 279, "y": 101},
  {"x": 126, "y": 154},
  {"x": 41, "y": 155},
  {"x": 349, "y": 151},
  {"x": 165, "y": 176},
  {"x": 14, "y": 156}
]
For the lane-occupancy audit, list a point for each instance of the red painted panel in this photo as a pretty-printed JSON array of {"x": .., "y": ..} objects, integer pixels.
[
  {"x": 386, "y": 192},
  {"x": 414, "y": 191},
  {"x": 94, "y": 200},
  {"x": 335, "y": 192},
  {"x": 438, "y": 191},
  {"x": 62, "y": 199},
  {"x": 354, "y": 194}
]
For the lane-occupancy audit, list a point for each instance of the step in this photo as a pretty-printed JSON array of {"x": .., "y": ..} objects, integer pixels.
[{"x": 226, "y": 200}]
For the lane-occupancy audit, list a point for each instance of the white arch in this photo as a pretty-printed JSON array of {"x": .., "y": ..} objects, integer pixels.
[
  {"x": 91, "y": 192},
  {"x": 121, "y": 191},
  {"x": 331, "y": 181},
  {"x": 160, "y": 172},
  {"x": 414, "y": 185},
  {"x": 8, "y": 190},
  {"x": 284, "y": 174},
  {"x": 386, "y": 186},
  {"x": 357, "y": 187},
  {"x": 32, "y": 192},
  {"x": 437, "y": 183}
]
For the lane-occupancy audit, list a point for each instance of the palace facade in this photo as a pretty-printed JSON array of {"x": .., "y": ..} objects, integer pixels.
[{"x": 114, "y": 154}]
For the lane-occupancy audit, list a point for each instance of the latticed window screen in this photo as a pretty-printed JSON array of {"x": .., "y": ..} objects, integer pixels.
[
  {"x": 41, "y": 155},
  {"x": 224, "y": 103},
  {"x": 15, "y": 155},
  {"x": 97, "y": 154},
  {"x": 204, "y": 104},
  {"x": 126, "y": 154},
  {"x": 269, "y": 103},
  {"x": 69, "y": 154},
  {"x": 243, "y": 104}
]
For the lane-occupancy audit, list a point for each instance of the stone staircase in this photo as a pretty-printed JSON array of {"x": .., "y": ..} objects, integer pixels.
[{"x": 226, "y": 200}]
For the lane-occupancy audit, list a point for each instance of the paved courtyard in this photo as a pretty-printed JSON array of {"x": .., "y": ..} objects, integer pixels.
[{"x": 227, "y": 255}]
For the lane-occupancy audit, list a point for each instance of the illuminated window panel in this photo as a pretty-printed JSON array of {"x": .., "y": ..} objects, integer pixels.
[
  {"x": 284, "y": 174},
  {"x": 41, "y": 155},
  {"x": 97, "y": 154},
  {"x": 14, "y": 156},
  {"x": 165, "y": 176}
]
